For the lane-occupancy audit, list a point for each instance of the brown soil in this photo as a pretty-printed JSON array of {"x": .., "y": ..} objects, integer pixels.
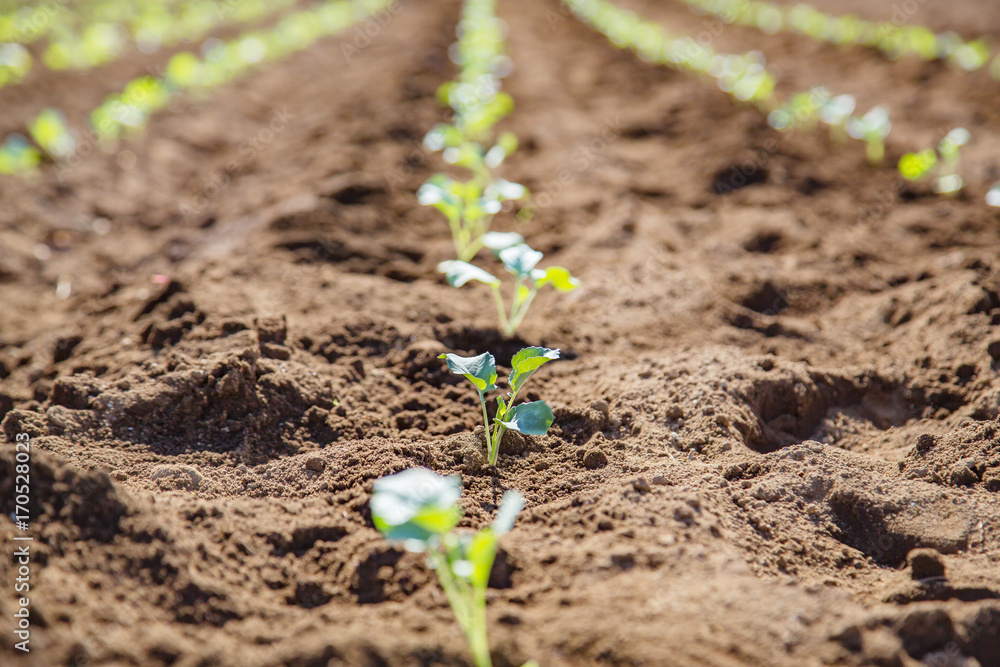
[{"x": 776, "y": 419}]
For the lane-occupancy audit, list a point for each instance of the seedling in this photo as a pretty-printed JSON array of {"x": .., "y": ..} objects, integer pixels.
[
  {"x": 520, "y": 260},
  {"x": 420, "y": 510},
  {"x": 468, "y": 141},
  {"x": 835, "y": 112},
  {"x": 948, "y": 181},
  {"x": 918, "y": 166},
  {"x": 531, "y": 418},
  {"x": 872, "y": 128}
]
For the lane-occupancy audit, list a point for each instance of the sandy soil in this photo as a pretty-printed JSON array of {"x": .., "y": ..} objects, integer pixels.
[{"x": 776, "y": 438}]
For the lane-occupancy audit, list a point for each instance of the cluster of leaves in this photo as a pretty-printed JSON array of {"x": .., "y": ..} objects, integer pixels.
[
  {"x": 890, "y": 38},
  {"x": 745, "y": 77},
  {"x": 944, "y": 161},
  {"x": 531, "y": 418},
  {"x": 129, "y": 110},
  {"x": 468, "y": 140},
  {"x": 420, "y": 510},
  {"x": 520, "y": 260},
  {"x": 95, "y": 33}
]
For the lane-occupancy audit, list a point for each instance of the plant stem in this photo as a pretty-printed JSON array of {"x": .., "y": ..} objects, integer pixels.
[
  {"x": 516, "y": 319},
  {"x": 501, "y": 310},
  {"x": 876, "y": 152},
  {"x": 498, "y": 432},
  {"x": 469, "y": 607},
  {"x": 486, "y": 422}
]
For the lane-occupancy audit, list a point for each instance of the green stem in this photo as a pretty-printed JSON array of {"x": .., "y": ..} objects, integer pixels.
[
  {"x": 501, "y": 310},
  {"x": 516, "y": 320},
  {"x": 469, "y": 607},
  {"x": 876, "y": 152},
  {"x": 453, "y": 222},
  {"x": 486, "y": 422},
  {"x": 498, "y": 432}
]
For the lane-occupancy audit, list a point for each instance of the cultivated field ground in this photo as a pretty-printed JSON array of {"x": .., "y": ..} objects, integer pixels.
[{"x": 776, "y": 437}]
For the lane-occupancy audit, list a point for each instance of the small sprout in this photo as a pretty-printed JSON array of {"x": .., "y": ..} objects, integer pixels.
[
  {"x": 836, "y": 112},
  {"x": 419, "y": 509},
  {"x": 531, "y": 418},
  {"x": 872, "y": 128},
  {"x": 520, "y": 260}
]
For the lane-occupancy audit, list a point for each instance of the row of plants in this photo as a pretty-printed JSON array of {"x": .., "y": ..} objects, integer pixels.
[
  {"x": 745, "y": 78},
  {"x": 129, "y": 110},
  {"x": 895, "y": 38},
  {"x": 89, "y": 36},
  {"x": 420, "y": 509}
]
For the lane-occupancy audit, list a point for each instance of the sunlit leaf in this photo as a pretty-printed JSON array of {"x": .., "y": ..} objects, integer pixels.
[{"x": 480, "y": 370}]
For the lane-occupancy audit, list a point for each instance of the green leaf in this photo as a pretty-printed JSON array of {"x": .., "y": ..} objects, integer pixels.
[
  {"x": 511, "y": 504},
  {"x": 520, "y": 259},
  {"x": 501, "y": 407},
  {"x": 497, "y": 241},
  {"x": 480, "y": 370},
  {"x": 532, "y": 418},
  {"x": 556, "y": 276},
  {"x": 915, "y": 166},
  {"x": 415, "y": 505},
  {"x": 457, "y": 273},
  {"x": 481, "y": 552},
  {"x": 526, "y": 362}
]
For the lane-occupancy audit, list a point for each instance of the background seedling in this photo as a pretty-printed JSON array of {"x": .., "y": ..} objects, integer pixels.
[
  {"x": 478, "y": 105},
  {"x": 420, "y": 510},
  {"x": 872, "y": 128},
  {"x": 918, "y": 166},
  {"x": 520, "y": 260},
  {"x": 950, "y": 149},
  {"x": 532, "y": 418}
]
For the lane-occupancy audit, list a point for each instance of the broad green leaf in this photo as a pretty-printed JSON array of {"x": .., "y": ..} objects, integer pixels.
[
  {"x": 497, "y": 241},
  {"x": 520, "y": 259},
  {"x": 557, "y": 276},
  {"x": 511, "y": 504},
  {"x": 457, "y": 273},
  {"x": 481, "y": 552},
  {"x": 526, "y": 362},
  {"x": 532, "y": 418},
  {"x": 480, "y": 370},
  {"x": 415, "y": 505},
  {"x": 501, "y": 407}
]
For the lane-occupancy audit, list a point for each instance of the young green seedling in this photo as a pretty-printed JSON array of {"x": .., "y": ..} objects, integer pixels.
[
  {"x": 948, "y": 181},
  {"x": 532, "y": 418},
  {"x": 520, "y": 260},
  {"x": 872, "y": 128},
  {"x": 420, "y": 510},
  {"x": 918, "y": 166},
  {"x": 835, "y": 112}
]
